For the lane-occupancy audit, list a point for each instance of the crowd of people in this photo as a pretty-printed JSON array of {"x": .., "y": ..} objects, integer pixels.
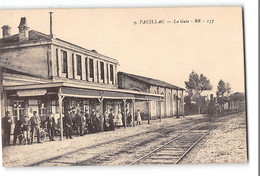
[
  {"x": 91, "y": 122},
  {"x": 73, "y": 120},
  {"x": 25, "y": 128}
]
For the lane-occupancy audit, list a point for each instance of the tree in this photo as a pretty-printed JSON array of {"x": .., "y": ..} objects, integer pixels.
[
  {"x": 195, "y": 86},
  {"x": 222, "y": 88},
  {"x": 204, "y": 83},
  {"x": 192, "y": 84}
]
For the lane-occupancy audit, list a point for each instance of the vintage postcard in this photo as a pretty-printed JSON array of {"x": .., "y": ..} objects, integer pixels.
[{"x": 122, "y": 86}]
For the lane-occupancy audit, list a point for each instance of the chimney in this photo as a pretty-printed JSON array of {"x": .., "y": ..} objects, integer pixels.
[
  {"x": 6, "y": 31},
  {"x": 23, "y": 30},
  {"x": 51, "y": 34}
]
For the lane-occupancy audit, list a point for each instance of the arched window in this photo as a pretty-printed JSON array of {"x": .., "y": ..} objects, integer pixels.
[{"x": 136, "y": 89}]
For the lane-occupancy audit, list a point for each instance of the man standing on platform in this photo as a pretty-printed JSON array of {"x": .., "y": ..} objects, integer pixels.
[
  {"x": 129, "y": 118},
  {"x": 18, "y": 131},
  {"x": 26, "y": 129},
  {"x": 68, "y": 122},
  {"x": 93, "y": 121},
  {"x": 73, "y": 113},
  {"x": 111, "y": 120},
  {"x": 98, "y": 121},
  {"x": 7, "y": 122},
  {"x": 79, "y": 122},
  {"x": 35, "y": 125},
  {"x": 51, "y": 126}
]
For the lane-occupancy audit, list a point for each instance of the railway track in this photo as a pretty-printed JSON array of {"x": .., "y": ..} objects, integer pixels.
[{"x": 173, "y": 151}]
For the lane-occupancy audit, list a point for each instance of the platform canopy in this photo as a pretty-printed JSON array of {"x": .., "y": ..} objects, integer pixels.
[{"x": 79, "y": 91}]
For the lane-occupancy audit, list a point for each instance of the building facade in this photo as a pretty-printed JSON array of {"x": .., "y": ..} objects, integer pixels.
[
  {"x": 42, "y": 73},
  {"x": 236, "y": 102},
  {"x": 171, "y": 104}
]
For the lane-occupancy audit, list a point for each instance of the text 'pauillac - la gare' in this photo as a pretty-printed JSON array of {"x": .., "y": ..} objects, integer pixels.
[{"x": 174, "y": 21}]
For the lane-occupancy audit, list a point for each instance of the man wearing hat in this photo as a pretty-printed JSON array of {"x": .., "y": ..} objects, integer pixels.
[
  {"x": 7, "y": 122},
  {"x": 51, "y": 126},
  {"x": 35, "y": 126},
  {"x": 111, "y": 120},
  {"x": 73, "y": 115},
  {"x": 93, "y": 121},
  {"x": 68, "y": 122},
  {"x": 79, "y": 122}
]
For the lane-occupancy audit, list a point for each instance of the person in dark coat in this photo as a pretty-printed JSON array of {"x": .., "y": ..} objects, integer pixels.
[
  {"x": 106, "y": 121},
  {"x": 18, "y": 131},
  {"x": 111, "y": 120},
  {"x": 98, "y": 121},
  {"x": 79, "y": 122},
  {"x": 129, "y": 118},
  {"x": 94, "y": 121},
  {"x": 123, "y": 118},
  {"x": 51, "y": 126},
  {"x": 73, "y": 113},
  {"x": 64, "y": 125},
  {"x": 7, "y": 122},
  {"x": 68, "y": 122}
]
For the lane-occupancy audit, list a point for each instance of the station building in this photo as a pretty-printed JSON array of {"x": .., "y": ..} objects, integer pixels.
[
  {"x": 171, "y": 102},
  {"x": 39, "y": 72}
]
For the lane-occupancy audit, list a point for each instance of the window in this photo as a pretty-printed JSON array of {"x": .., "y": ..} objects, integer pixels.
[
  {"x": 102, "y": 74},
  {"x": 54, "y": 106},
  {"x": 57, "y": 62},
  {"x": 97, "y": 72},
  {"x": 86, "y": 66},
  {"x": 42, "y": 109},
  {"x": 73, "y": 66},
  {"x": 91, "y": 68},
  {"x": 64, "y": 66},
  {"x": 111, "y": 73},
  {"x": 18, "y": 109},
  {"x": 107, "y": 75},
  {"x": 79, "y": 66}
]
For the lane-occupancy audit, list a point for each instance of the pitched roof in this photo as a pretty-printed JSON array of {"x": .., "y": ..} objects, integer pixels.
[
  {"x": 33, "y": 35},
  {"x": 151, "y": 81},
  {"x": 36, "y": 36},
  {"x": 238, "y": 96}
]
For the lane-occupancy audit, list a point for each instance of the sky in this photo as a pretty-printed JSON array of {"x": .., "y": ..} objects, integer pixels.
[{"x": 165, "y": 51}]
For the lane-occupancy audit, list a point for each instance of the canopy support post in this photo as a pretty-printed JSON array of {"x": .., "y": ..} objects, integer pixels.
[
  {"x": 133, "y": 114},
  {"x": 124, "y": 100},
  {"x": 60, "y": 98},
  {"x": 148, "y": 107}
]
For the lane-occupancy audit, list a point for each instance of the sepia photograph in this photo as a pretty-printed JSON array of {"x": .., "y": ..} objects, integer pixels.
[{"x": 123, "y": 86}]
